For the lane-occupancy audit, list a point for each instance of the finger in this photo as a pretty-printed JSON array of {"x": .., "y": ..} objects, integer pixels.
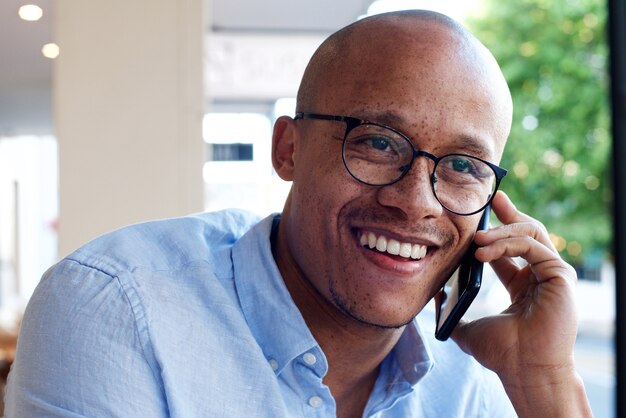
[
  {"x": 545, "y": 263},
  {"x": 535, "y": 230},
  {"x": 506, "y": 211},
  {"x": 503, "y": 266},
  {"x": 506, "y": 269},
  {"x": 516, "y": 222},
  {"x": 515, "y": 246}
]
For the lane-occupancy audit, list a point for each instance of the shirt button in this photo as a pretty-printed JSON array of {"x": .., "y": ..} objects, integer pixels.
[
  {"x": 309, "y": 358},
  {"x": 316, "y": 401},
  {"x": 273, "y": 364}
]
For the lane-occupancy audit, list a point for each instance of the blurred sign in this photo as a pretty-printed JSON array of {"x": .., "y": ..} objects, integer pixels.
[{"x": 256, "y": 66}]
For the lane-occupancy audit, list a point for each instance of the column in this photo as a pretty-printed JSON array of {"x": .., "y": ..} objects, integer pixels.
[{"x": 128, "y": 106}]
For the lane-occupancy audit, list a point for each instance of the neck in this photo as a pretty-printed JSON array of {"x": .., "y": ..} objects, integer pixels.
[{"x": 354, "y": 350}]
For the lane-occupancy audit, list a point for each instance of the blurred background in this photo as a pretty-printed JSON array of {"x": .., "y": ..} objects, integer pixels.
[{"x": 117, "y": 112}]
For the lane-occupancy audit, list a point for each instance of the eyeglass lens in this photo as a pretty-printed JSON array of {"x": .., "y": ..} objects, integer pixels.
[{"x": 379, "y": 156}]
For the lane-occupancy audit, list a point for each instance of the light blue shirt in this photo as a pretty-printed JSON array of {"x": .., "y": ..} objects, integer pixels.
[{"x": 190, "y": 317}]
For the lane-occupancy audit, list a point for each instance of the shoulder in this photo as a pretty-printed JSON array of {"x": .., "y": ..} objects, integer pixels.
[
  {"x": 131, "y": 294},
  {"x": 168, "y": 243},
  {"x": 151, "y": 269}
]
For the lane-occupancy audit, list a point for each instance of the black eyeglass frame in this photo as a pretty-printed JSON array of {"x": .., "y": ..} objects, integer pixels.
[{"x": 352, "y": 122}]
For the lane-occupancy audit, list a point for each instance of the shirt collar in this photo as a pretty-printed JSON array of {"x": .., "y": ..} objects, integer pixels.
[
  {"x": 413, "y": 354},
  {"x": 273, "y": 317}
]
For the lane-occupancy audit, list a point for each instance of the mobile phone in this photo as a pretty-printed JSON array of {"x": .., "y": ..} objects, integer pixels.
[{"x": 461, "y": 288}]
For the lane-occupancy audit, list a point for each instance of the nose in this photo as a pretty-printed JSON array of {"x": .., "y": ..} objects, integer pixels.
[{"x": 413, "y": 194}]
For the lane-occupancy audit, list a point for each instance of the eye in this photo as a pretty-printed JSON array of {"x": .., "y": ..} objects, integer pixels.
[
  {"x": 461, "y": 165},
  {"x": 378, "y": 143},
  {"x": 465, "y": 166}
]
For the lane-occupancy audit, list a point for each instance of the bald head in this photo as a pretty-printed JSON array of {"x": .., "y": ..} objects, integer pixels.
[
  {"x": 400, "y": 50},
  {"x": 358, "y": 38}
]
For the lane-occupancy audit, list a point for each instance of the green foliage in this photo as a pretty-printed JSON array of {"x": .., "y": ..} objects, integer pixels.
[{"x": 554, "y": 56}]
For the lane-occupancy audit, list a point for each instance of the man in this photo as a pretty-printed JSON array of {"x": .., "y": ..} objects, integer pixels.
[{"x": 400, "y": 121}]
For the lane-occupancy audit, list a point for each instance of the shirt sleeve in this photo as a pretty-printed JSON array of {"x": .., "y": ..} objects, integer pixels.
[{"x": 80, "y": 352}]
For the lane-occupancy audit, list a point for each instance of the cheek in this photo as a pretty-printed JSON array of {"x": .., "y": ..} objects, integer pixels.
[
  {"x": 321, "y": 181},
  {"x": 320, "y": 189},
  {"x": 466, "y": 230}
]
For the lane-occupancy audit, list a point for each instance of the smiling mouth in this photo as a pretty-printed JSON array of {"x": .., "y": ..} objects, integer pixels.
[{"x": 383, "y": 244}]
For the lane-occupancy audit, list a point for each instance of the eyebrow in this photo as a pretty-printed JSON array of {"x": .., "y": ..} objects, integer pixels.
[
  {"x": 386, "y": 118},
  {"x": 474, "y": 146}
]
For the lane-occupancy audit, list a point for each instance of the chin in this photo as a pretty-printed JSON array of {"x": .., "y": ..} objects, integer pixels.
[{"x": 372, "y": 318}]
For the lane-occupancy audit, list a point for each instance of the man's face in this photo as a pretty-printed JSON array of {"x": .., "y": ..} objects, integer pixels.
[{"x": 443, "y": 109}]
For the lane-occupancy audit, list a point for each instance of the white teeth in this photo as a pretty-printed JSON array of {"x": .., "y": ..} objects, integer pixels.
[
  {"x": 405, "y": 250},
  {"x": 392, "y": 246},
  {"x": 415, "y": 252},
  {"x": 418, "y": 251},
  {"x": 381, "y": 244},
  {"x": 363, "y": 240},
  {"x": 371, "y": 240}
]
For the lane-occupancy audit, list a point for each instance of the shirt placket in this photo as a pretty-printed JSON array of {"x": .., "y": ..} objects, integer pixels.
[{"x": 310, "y": 368}]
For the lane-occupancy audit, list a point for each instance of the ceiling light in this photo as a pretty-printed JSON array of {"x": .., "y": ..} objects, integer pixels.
[
  {"x": 50, "y": 51},
  {"x": 30, "y": 12}
]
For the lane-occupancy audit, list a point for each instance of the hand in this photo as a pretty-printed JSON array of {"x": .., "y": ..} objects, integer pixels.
[{"x": 530, "y": 344}]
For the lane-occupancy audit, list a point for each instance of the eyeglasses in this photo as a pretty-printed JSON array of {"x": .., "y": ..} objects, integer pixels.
[{"x": 378, "y": 155}]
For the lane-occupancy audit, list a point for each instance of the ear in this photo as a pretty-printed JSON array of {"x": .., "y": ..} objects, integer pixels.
[{"x": 283, "y": 147}]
